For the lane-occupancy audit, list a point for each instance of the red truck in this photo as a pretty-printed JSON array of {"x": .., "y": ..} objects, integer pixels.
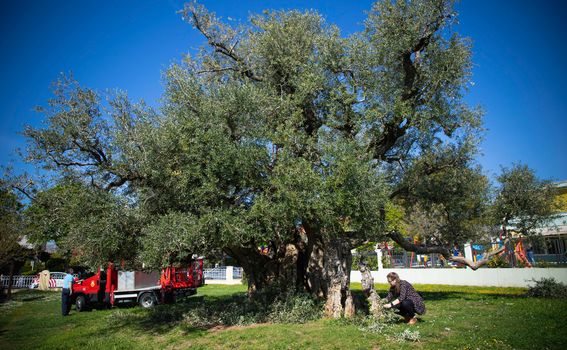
[{"x": 112, "y": 287}]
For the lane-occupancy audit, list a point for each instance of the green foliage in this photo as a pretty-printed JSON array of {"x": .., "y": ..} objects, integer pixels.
[
  {"x": 449, "y": 206},
  {"x": 408, "y": 335},
  {"x": 386, "y": 261},
  {"x": 92, "y": 225},
  {"x": 372, "y": 324},
  {"x": 371, "y": 261},
  {"x": 498, "y": 261},
  {"x": 547, "y": 288},
  {"x": 523, "y": 201},
  {"x": 544, "y": 264},
  {"x": 295, "y": 308},
  {"x": 238, "y": 310},
  {"x": 27, "y": 268},
  {"x": 11, "y": 228},
  {"x": 395, "y": 215}
]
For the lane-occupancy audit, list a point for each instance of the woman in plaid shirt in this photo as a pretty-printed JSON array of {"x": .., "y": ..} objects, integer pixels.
[{"x": 404, "y": 298}]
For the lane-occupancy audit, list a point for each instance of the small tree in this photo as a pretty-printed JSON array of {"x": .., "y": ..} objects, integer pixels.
[{"x": 523, "y": 202}]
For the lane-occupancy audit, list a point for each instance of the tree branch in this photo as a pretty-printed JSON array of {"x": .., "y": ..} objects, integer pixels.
[
  {"x": 121, "y": 180},
  {"x": 217, "y": 70},
  {"x": 23, "y": 191},
  {"x": 411, "y": 247},
  {"x": 222, "y": 48}
]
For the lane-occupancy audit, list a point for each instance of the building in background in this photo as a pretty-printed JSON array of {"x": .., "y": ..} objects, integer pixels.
[{"x": 551, "y": 247}]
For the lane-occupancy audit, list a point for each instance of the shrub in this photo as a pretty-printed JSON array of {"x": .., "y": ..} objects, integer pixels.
[
  {"x": 386, "y": 261},
  {"x": 497, "y": 261},
  {"x": 407, "y": 335},
  {"x": 270, "y": 305},
  {"x": 547, "y": 288},
  {"x": 543, "y": 264},
  {"x": 371, "y": 324},
  {"x": 294, "y": 308}
]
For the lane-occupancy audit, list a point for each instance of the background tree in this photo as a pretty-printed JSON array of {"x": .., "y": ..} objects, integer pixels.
[
  {"x": 91, "y": 225},
  {"x": 523, "y": 202},
  {"x": 12, "y": 254}
]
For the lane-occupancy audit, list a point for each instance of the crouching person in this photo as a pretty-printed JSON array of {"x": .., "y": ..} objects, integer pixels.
[{"x": 404, "y": 298}]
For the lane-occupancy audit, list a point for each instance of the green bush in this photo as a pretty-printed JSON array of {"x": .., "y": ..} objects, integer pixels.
[
  {"x": 548, "y": 288},
  {"x": 386, "y": 261},
  {"x": 271, "y": 305},
  {"x": 371, "y": 324},
  {"x": 294, "y": 308},
  {"x": 543, "y": 264},
  {"x": 407, "y": 335},
  {"x": 497, "y": 261},
  {"x": 27, "y": 269}
]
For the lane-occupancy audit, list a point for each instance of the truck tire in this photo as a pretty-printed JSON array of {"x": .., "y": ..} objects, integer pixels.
[
  {"x": 81, "y": 304},
  {"x": 148, "y": 300}
]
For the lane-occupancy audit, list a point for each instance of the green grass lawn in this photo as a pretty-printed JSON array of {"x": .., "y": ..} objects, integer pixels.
[{"x": 457, "y": 318}]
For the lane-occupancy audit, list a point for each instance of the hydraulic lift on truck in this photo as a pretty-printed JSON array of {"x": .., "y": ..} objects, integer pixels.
[{"x": 112, "y": 287}]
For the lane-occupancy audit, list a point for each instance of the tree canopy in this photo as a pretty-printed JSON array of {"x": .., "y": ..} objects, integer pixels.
[{"x": 278, "y": 132}]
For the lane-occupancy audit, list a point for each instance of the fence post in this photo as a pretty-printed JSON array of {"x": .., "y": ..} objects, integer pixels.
[
  {"x": 229, "y": 273},
  {"x": 468, "y": 251},
  {"x": 379, "y": 256}
]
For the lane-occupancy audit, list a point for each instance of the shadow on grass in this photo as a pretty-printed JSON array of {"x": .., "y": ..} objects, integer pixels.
[
  {"x": 202, "y": 313},
  {"x": 28, "y": 295},
  {"x": 438, "y": 295},
  {"x": 33, "y": 298},
  {"x": 361, "y": 302},
  {"x": 199, "y": 314}
]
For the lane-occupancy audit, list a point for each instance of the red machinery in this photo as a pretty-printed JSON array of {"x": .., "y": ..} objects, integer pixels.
[{"x": 112, "y": 287}]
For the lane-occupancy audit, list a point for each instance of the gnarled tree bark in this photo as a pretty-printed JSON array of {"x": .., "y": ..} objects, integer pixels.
[{"x": 368, "y": 289}]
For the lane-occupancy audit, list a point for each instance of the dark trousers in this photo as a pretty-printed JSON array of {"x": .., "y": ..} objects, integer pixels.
[
  {"x": 405, "y": 308},
  {"x": 65, "y": 301}
]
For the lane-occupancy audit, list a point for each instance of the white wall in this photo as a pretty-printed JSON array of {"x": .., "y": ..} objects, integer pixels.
[{"x": 509, "y": 277}]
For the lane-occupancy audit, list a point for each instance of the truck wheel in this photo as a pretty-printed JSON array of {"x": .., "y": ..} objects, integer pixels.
[
  {"x": 81, "y": 303},
  {"x": 148, "y": 300}
]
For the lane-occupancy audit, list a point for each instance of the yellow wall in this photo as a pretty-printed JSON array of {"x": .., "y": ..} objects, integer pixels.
[{"x": 562, "y": 201}]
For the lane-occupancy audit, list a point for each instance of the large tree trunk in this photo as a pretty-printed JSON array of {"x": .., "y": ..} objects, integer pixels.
[
  {"x": 278, "y": 267},
  {"x": 337, "y": 267},
  {"x": 315, "y": 274},
  {"x": 311, "y": 263}
]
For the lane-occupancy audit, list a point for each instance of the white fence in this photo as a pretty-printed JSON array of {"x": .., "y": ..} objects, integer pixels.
[
  {"x": 499, "y": 277},
  {"x": 17, "y": 281},
  {"x": 223, "y": 275}
]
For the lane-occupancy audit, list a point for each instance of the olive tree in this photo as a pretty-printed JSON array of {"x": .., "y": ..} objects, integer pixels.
[{"x": 279, "y": 132}]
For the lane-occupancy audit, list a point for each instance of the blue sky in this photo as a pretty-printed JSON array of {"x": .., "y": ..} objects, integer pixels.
[{"x": 519, "y": 73}]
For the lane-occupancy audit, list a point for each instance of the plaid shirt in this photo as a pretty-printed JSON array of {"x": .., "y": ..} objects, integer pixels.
[{"x": 407, "y": 292}]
